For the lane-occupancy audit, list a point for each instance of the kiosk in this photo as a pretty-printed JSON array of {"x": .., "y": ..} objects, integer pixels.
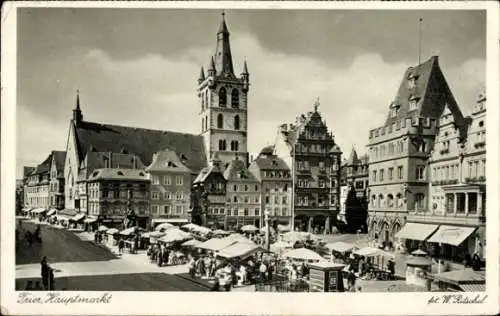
[
  {"x": 326, "y": 276},
  {"x": 417, "y": 270}
]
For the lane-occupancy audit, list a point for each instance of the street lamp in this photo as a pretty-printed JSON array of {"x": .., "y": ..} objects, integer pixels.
[{"x": 266, "y": 219}]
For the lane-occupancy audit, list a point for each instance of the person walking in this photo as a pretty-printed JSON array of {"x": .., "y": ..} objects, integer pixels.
[{"x": 45, "y": 269}]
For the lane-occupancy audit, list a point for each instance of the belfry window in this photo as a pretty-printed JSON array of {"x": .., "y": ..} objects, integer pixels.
[
  {"x": 235, "y": 98},
  {"x": 220, "y": 121},
  {"x": 222, "y": 97},
  {"x": 222, "y": 144},
  {"x": 236, "y": 122}
]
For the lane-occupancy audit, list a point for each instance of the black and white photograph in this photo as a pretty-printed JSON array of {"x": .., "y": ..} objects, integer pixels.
[{"x": 325, "y": 152}]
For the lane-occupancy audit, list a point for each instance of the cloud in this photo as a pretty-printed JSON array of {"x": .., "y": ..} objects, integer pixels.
[{"x": 159, "y": 92}]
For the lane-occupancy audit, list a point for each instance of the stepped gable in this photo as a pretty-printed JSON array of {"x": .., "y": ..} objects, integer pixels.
[
  {"x": 140, "y": 141},
  {"x": 430, "y": 88}
]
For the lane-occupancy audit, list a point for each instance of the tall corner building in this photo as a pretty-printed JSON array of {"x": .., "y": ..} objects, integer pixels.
[{"x": 400, "y": 149}]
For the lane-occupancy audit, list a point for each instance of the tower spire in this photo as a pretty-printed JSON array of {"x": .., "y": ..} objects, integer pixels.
[
  {"x": 419, "y": 40},
  {"x": 223, "y": 58},
  {"x": 77, "y": 112},
  {"x": 316, "y": 104},
  {"x": 202, "y": 76}
]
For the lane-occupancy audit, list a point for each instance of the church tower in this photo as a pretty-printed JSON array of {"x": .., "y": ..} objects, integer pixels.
[{"x": 223, "y": 103}]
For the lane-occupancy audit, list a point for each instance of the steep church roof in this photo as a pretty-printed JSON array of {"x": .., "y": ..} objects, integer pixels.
[
  {"x": 140, "y": 141},
  {"x": 59, "y": 157}
]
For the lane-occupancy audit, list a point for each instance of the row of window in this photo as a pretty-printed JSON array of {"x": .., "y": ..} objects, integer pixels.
[
  {"x": 476, "y": 168},
  {"x": 242, "y": 188},
  {"x": 308, "y": 184},
  {"x": 167, "y": 209},
  {"x": 155, "y": 195},
  {"x": 276, "y": 200},
  {"x": 277, "y": 174},
  {"x": 273, "y": 189},
  {"x": 117, "y": 194},
  {"x": 306, "y": 165},
  {"x": 223, "y": 145},
  {"x": 243, "y": 199},
  {"x": 311, "y": 148},
  {"x": 304, "y": 201},
  {"x": 167, "y": 180},
  {"x": 380, "y": 174},
  {"x": 396, "y": 147},
  {"x": 445, "y": 172},
  {"x": 38, "y": 189},
  {"x": 38, "y": 201},
  {"x": 391, "y": 201}
]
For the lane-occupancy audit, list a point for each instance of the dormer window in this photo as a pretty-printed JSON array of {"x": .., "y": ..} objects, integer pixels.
[
  {"x": 394, "y": 109},
  {"x": 412, "y": 81},
  {"x": 413, "y": 101}
]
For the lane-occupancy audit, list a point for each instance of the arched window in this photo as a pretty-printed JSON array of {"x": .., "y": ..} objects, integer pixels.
[
  {"x": 222, "y": 97},
  {"x": 390, "y": 200},
  {"x": 202, "y": 103},
  {"x": 220, "y": 119},
  {"x": 374, "y": 200},
  {"x": 235, "y": 98},
  {"x": 206, "y": 100},
  {"x": 202, "y": 124},
  {"x": 236, "y": 122},
  {"x": 206, "y": 122},
  {"x": 381, "y": 200},
  {"x": 234, "y": 145}
]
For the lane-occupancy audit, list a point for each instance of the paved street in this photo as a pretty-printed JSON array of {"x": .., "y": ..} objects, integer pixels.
[
  {"x": 123, "y": 282},
  {"x": 60, "y": 245}
]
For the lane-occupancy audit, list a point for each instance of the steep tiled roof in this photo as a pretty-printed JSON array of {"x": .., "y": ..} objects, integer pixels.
[
  {"x": 59, "y": 157},
  {"x": 270, "y": 162},
  {"x": 27, "y": 171},
  {"x": 118, "y": 174},
  {"x": 44, "y": 166},
  {"x": 268, "y": 150},
  {"x": 167, "y": 160},
  {"x": 430, "y": 90},
  {"x": 140, "y": 141},
  {"x": 237, "y": 170}
]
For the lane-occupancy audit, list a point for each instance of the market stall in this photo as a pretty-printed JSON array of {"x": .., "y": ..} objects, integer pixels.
[
  {"x": 303, "y": 254},
  {"x": 164, "y": 226}
]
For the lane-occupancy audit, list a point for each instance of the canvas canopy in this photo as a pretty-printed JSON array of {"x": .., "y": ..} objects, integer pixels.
[{"x": 241, "y": 250}]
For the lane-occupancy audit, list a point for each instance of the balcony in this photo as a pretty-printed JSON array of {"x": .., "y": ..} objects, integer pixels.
[
  {"x": 473, "y": 180},
  {"x": 444, "y": 182}
]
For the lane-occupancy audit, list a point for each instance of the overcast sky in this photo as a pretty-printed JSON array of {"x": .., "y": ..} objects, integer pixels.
[{"x": 140, "y": 67}]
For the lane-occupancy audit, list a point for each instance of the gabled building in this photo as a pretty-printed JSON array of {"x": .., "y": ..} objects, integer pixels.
[
  {"x": 56, "y": 188},
  {"x": 170, "y": 188},
  {"x": 43, "y": 183},
  {"x": 399, "y": 151},
  {"x": 457, "y": 190},
  {"x": 309, "y": 148},
  {"x": 275, "y": 181},
  {"x": 88, "y": 137},
  {"x": 355, "y": 171},
  {"x": 208, "y": 195},
  {"x": 243, "y": 205}
]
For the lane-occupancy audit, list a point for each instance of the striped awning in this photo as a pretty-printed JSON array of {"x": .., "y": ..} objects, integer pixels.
[{"x": 416, "y": 231}]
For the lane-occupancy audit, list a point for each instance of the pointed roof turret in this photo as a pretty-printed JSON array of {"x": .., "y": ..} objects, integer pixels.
[
  {"x": 223, "y": 58},
  {"x": 202, "y": 75},
  {"x": 77, "y": 112},
  {"x": 223, "y": 26},
  {"x": 245, "y": 68},
  {"x": 353, "y": 158}
]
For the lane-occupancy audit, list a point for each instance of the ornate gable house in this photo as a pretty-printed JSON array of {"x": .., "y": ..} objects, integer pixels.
[
  {"x": 106, "y": 145},
  {"x": 208, "y": 195},
  {"x": 400, "y": 149},
  {"x": 56, "y": 188},
  {"x": 310, "y": 148}
]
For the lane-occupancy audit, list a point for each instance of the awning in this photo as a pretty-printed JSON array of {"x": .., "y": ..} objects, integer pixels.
[
  {"x": 416, "y": 231},
  {"x": 241, "y": 250},
  {"x": 38, "y": 210},
  {"x": 372, "y": 252},
  {"x": 169, "y": 220},
  {"x": 90, "y": 220},
  {"x": 452, "y": 235},
  {"x": 63, "y": 217},
  {"x": 341, "y": 246},
  {"x": 51, "y": 212},
  {"x": 78, "y": 217},
  {"x": 216, "y": 244},
  {"x": 67, "y": 212}
]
